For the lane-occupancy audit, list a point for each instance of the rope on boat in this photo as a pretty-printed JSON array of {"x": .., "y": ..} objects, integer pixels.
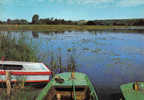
[
  {"x": 74, "y": 89},
  {"x": 93, "y": 93}
]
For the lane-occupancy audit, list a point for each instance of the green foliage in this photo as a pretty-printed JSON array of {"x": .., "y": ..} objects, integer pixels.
[
  {"x": 86, "y": 49},
  {"x": 69, "y": 49},
  {"x": 20, "y": 94},
  {"x": 17, "y": 21},
  {"x": 118, "y": 22},
  {"x": 35, "y": 19},
  {"x": 57, "y": 66},
  {"x": 97, "y": 50},
  {"x": 16, "y": 49}
]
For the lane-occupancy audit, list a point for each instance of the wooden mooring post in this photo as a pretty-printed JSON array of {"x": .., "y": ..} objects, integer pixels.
[
  {"x": 58, "y": 96},
  {"x": 8, "y": 83}
]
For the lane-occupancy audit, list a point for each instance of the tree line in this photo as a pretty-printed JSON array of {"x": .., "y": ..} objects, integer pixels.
[
  {"x": 37, "y": 20},
  {"x": 118, "y": 22},
  {"x": 55, "y": 21}
]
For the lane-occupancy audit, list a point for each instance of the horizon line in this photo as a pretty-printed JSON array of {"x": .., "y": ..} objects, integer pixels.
[{"x": 77, "y": 19}]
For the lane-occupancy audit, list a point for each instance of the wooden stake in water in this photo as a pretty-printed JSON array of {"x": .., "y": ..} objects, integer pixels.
[
  {"x": 8, "y": 83},
  {"x": 58, "y": 96}
]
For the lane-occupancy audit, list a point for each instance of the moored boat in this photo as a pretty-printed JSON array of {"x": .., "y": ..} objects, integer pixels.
[
  {"x": 69, "y": 86},
  {"x": 32, "y": 73},
  {"x": 133, "y": 91}
]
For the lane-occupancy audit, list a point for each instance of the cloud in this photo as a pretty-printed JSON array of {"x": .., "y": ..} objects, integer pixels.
[
  {"x": 84, "y": 1},
  {"x": 40, "y": 0},
  {"x": 74, "y": 1},
  {"x": 122, "y": 3},
  {"x": 130, "y": 3},
  {"x": 5, "y": 2},
  {"x": 114, "y": 3},
  {"x": 126, "y": 3},
  {"x": 107, "y": 3},
  {"x": 94, "y": 1}
]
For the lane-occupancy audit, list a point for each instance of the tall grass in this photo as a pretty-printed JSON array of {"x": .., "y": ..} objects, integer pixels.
[
  {"x": 56, "y": 65},
  {"x": 20, "y": 94},
  {"x": 16, "y": 49},
  {"x": 12, "y": 48}
]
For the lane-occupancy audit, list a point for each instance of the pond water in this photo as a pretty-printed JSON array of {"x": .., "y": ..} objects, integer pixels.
[{"x": 109, "y": 58}]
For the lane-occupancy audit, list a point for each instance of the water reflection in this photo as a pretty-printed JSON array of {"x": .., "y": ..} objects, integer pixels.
[{"x": 35, "y": 34}]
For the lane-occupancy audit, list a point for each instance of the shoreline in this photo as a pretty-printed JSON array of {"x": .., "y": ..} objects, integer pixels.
[{"x": 60, "y": 28}]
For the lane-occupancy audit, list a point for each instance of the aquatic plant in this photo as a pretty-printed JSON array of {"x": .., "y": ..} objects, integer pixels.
[
  {"x": 69, "y": 49},
  {"x": 12, "y": 48},
  {"x": 86, "y": 49},
  {"x": 20, "y": 94},
  {"x": 57, "y": 66},
  {"x": 97, "y": 50},
  {"x": 71, "y": 64},
  {"x": 20, "y": 49}
]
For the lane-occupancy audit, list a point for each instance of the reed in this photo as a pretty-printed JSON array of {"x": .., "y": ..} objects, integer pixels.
[
  {"x": 18, "y": 49},
  {"x": 56, "y": 65},
  {"x": 20, "y": 94},
  {"x": 15, "y": 49}
]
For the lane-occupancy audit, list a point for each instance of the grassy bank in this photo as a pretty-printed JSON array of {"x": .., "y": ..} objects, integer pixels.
[{"x": 59, "y": 28}]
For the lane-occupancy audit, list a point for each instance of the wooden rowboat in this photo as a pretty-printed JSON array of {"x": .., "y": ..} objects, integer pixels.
[
  {"x": 69, "y": 86},
  {"x": 133, "y": 91}
]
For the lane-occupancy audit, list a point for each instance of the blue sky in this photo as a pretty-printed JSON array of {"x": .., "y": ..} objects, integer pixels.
[{"x": 72, "y": 9}]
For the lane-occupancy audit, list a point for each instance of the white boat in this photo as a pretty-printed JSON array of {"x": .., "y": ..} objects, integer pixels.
[{"x": 30, "y": 72}]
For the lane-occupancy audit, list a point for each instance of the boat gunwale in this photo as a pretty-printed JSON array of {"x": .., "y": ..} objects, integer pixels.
[
  {"x": 51, "y": 85},
  {"x": 45, "y": 71}
]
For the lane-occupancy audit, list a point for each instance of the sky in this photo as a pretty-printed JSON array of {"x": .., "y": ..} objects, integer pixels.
[{"x": 72, "y": 9}]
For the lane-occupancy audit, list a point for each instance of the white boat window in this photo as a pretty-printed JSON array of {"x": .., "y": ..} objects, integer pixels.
[{"x": 10, "y": 67}]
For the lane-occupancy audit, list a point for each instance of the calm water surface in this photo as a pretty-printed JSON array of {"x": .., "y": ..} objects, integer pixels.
[{"x": 108, "y": 58}]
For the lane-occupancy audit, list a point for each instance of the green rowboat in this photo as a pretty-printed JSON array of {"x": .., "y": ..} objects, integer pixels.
[
  {"x": 133, "y": 91},
  {"x": 69, "y": 86}
]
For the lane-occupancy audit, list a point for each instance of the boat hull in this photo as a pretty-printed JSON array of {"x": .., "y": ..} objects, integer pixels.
[
  {"x": 30, "y": 79},
  {"x": 133, "y": 91},
  {"x": 26, "y": 72}
]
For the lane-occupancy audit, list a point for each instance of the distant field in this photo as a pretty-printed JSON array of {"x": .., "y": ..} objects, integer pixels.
[{"x": 60, "y": 28}]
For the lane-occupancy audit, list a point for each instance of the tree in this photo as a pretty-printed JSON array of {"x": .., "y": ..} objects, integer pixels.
[
  {"x": 8, "y": 21},
  {"x": 35, "y": 19},
  {"x": 90, "y": 23},
  {"x": 1, "y": 22}
]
